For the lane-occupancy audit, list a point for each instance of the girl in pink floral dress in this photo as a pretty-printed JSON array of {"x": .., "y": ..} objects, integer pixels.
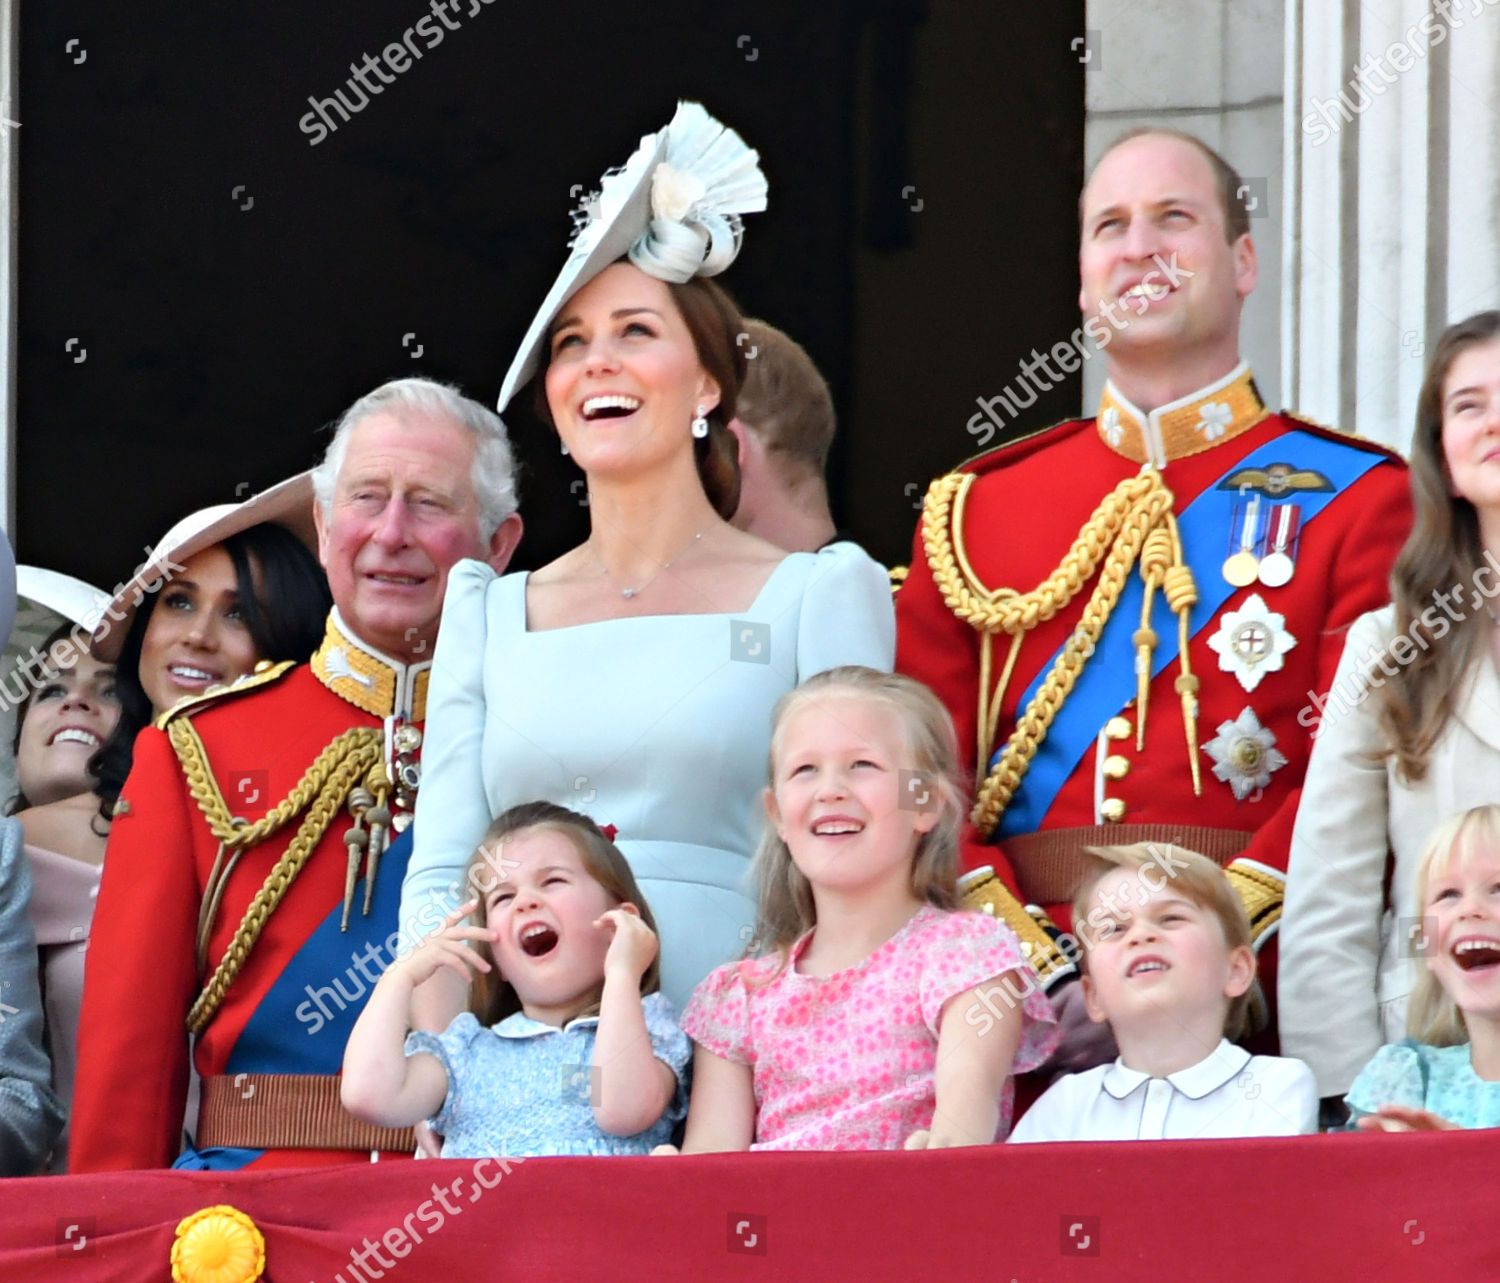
[{"x": 877, "y": 1016}]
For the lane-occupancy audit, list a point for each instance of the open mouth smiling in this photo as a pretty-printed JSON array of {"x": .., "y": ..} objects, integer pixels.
[
  {"x": 609, "y": 407},
  {"x": 76, "y": 735},
  {"x": 1477, "y": 953},
  {"x": 537, "y": 939}
]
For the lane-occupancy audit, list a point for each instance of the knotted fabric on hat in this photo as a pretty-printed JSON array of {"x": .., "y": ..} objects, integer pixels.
[{"x": 673, "y": 209}]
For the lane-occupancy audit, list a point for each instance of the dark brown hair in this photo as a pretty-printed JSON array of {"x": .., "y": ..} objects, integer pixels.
[
  {"x": 492, "y": 998},
  {"x": 1442, "y": 550},
  {"x": 715, "y": 324},
  {"x": 1226, "y": 178}
]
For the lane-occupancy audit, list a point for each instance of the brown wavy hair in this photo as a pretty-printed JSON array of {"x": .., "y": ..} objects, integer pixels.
[
  {"x": 1443, "y": 550},
  {"x": 492, "y": 998},
  {"x": 715, "y": 323}
]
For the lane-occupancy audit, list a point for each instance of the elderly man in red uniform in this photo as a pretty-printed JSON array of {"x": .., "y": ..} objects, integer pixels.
[
  {"x": 257, "y": 919},
  {"x": 1127, "y": 615}
]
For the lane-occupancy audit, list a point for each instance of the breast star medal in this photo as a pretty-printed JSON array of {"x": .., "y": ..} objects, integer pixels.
[
  {"x": 1251, "y": 641},
  {"x": 1244, "y": 754}
]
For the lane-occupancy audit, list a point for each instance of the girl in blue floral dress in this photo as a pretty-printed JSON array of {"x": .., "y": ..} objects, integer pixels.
[{"x": 570, "y": 1048}]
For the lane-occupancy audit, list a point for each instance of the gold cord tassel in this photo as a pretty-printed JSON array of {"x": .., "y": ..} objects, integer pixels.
[
  {"x": 378, "y": 817},
  {"x": 1156, "y": 561},
  {"x": 1182, "y": 596}
]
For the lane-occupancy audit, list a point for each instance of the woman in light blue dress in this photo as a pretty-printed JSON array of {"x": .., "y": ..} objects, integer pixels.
[{"x": 633, "y": 678}]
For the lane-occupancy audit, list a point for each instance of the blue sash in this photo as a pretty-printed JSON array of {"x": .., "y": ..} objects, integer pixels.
[
  {"x": 301, "y": 1024},
  {"x": 1107, "y": 682}
]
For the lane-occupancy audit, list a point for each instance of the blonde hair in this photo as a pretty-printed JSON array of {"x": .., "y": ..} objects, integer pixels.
[
  {"x": 1431, "y": 1014},
  {"x": 1199, "y": 880},
  {"x": 492, "y": 998},
  {"x": 786, "y": 910}
]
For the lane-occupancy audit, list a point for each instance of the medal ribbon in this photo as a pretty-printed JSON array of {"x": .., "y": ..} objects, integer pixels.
[{"x": 1107, "y": 682}]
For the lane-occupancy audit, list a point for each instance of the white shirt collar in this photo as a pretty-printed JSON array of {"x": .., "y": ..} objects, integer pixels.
[{"x": 1195, "y": 1082}]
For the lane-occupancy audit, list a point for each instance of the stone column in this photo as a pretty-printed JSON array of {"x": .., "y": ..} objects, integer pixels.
[{"x": 1392, "y": 198}]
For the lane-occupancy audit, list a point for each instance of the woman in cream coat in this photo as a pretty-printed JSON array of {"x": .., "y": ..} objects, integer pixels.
[{"x": 1409, "y": 736}]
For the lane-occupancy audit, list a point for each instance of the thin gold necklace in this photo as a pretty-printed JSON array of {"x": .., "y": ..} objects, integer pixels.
[{"x": 628, "y": 593}]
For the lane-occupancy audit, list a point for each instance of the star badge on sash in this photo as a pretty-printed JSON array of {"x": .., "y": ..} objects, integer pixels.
[
  {"x": 1251, "y": 641},
  {"x": 1244, "y": 754}
]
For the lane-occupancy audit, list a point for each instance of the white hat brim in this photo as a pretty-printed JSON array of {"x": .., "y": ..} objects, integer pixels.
[
  {"x": 288, "y": 503},
  {"x": 63, "y": 595},
  {"x": 601, "y": 243}
]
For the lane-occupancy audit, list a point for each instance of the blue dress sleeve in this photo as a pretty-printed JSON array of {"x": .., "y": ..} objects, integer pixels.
[
  {"x": 30, "y": 1115},
  {"x": 451, "y": 1049},
  {"x": 453, "y": 809},
  {"x": 671, "y": 1046},
  {"x": 1394, "y": 1076},
  {"x": 847, "y": 613}
]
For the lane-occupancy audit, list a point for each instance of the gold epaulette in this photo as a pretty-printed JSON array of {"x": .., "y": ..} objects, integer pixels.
[
  {"x": 265, "y": 673},
  {"x": 898, "y": 577},
  {"x": 1262, "y": 891},
  {"x": 982, "y": 891}
]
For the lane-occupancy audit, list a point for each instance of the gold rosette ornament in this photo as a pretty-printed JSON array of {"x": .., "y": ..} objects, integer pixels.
[{"x": 218, "y": 1245}]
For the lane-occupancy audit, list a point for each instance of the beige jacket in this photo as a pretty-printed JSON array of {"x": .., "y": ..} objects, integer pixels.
[{"x": 1347, "y": 952}]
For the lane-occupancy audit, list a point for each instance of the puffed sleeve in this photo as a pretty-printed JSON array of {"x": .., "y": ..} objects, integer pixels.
[
  {"x": 671, "y": 1047},
  {"x": 717, "y": 1017},
  {"x": 962, "y": 951},
  {"x": 451, "y": 1049},
  {"x": 1335, "y": 898},
  {"x": 1394, "y": 1076},
  {"x": 30, "y": 1114},
  {"x": 847, "y": 616},
  {"x": 453, "y": 809},
  {"x": 140, "y": 975}
]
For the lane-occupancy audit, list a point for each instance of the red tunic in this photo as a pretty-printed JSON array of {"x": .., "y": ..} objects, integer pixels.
[
  {"x": 141, "y": 977},
  {"x": 1023, "y": 512}
]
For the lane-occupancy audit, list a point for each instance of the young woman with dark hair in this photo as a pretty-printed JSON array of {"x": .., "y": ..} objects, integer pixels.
[
  {"x": 224, "y": 597},
  {"x": 1409, "y": 736}
]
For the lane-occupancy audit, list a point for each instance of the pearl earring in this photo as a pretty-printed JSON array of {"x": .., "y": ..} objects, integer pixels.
[{"x": 700, "y": 425}]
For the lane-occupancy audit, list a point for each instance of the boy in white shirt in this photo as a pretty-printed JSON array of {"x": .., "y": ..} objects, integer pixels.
[{"x": 1166, "y": 960}]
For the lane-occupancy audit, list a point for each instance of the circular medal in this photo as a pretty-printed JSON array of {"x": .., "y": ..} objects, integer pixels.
[
  {"x": 1275, "y": 569},
  {"x": 1241, "y": 569}
]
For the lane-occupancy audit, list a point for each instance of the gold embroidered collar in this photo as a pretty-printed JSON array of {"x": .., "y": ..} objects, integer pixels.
[
  {"x": 1190, "y": 425},
  {"x": 369, "y": 680}
]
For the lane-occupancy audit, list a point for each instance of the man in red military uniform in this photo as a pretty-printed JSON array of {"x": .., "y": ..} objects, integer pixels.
[
  {"x": 1127, "y": 616},
  {"x": 245, "y": 898}
]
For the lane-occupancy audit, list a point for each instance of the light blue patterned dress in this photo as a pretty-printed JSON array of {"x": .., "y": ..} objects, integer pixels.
[
  {"x": 657, "y": 724},
  {"x": 521, "y": 1088},
  {"x": 1440, "y": 1079}
]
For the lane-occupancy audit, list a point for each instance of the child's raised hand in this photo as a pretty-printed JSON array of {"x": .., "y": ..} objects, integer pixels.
[
  {"x": 633, "y": 945},
  {"x": 1404, "y": 1118},
  {"x": 446, "y": 948}
]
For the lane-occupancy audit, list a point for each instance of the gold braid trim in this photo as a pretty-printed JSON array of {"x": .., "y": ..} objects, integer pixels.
[
  {"x": 1110, "y": 543},
  {"x": 321, "y": 792}
]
